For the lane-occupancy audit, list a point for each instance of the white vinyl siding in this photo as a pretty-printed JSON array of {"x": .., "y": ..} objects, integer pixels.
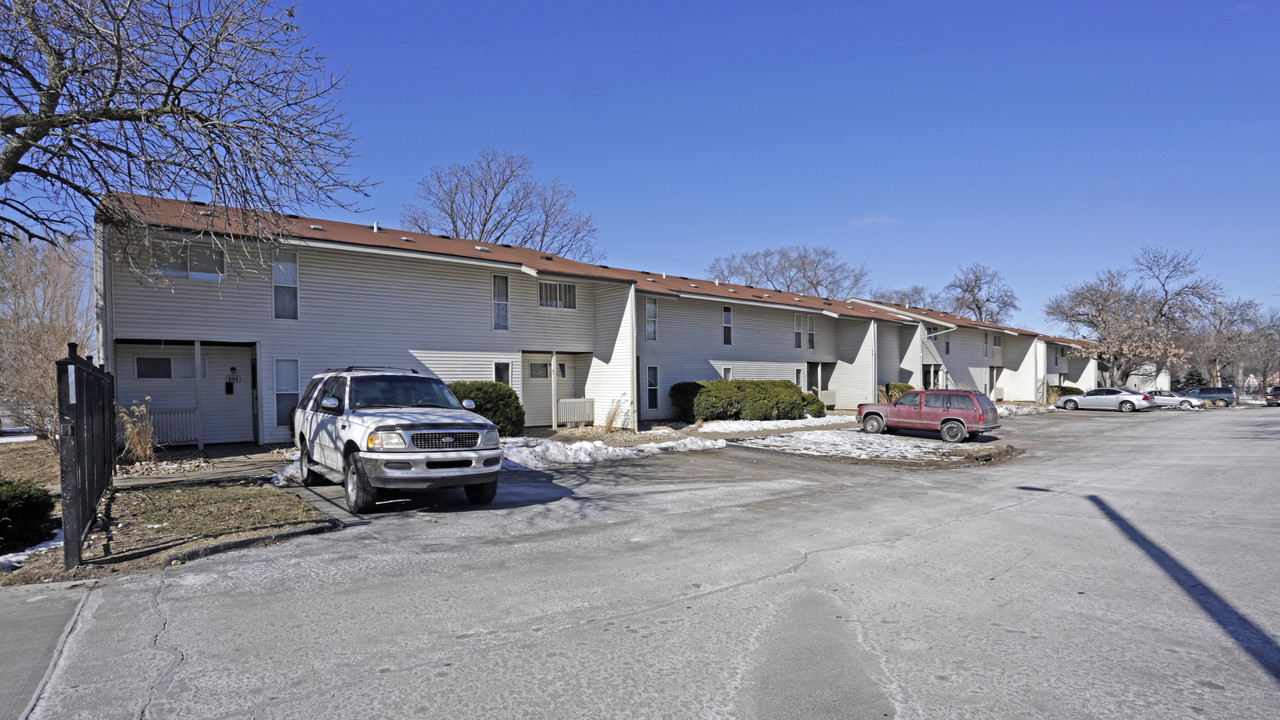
[
  {"x": 612, "y": 379},
  {"x": 854, "y": 377}
]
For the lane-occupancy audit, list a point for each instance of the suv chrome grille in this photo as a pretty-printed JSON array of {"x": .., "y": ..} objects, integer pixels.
[{"x": 446, "y": 440}]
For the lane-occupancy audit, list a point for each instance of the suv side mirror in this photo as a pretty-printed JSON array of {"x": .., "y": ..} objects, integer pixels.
[
  {"x": 469, "y": 404},
  {"x": 329, "y": 403}
]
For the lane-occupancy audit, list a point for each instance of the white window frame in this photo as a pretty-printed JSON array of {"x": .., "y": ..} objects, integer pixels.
[
  {"x": 651, "y": 318},
  {"x": 986, "y": 341},
  {"x": 173, "y": 375},
  {"x": 504, "y": 304},
  {"x": 506, "y": 382},
  {"x": 181, "y": 251},
  {"x": 727, "y": 373},
  {"x": 652, "y": 383},
  {"x": 813, "y": 332},
  {"x": 558, "y": 295},
  {"x": 546, "y": 367},
  {"x": 277, "y": 392},
  {"x": 726, "y": 323},
  {"x": 797, "y": 327},
  {"x": 997, "y": 341},
  {"x": 275, "y": 283},
  {"x": 800, "y": 378}
]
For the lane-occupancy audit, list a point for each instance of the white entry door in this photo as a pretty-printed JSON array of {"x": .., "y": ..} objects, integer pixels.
[
  {"x": 226, "y": 395},
  {"x": 536, "y": 385}
]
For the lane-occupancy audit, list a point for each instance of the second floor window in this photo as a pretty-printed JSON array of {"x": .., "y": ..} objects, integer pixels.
[
  {"x": 798, "y": 327},
  {"x": 501, "y": 302},
  {"x": 651, "y": 319},
  {"x": 813, "y": 326},
  {"x": 558, "y": 295},
  {"x": 728, "y": 325},
  {"x": 284, "y": 275},
  {"x": 187, "y": 261}
]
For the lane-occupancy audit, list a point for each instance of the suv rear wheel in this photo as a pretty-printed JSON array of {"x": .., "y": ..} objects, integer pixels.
[
  {"x": 953, "y": 432},
  {"x": 361, "y": 496}
]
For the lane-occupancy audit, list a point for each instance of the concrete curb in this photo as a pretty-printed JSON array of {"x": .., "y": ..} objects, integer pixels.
[{"x": 183, "y": 556}]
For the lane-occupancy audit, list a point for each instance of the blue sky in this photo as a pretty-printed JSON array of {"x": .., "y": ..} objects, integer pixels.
[{"x": 1046, "y": 139}]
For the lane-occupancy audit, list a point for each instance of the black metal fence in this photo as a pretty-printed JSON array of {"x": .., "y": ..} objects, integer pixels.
[{"x": 87, "y": 445}]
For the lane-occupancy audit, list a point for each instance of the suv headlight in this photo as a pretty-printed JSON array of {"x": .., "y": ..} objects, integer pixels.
[
  {"x": 490, "y": 439},
  {"x": 386, "y": 441}
]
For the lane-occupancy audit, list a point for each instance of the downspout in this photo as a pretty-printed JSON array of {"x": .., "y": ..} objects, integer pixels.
[
  {"x": 875, "y": 361},
  {"x": 199, "y": 407},
  {"x": 555, "y": 375}
]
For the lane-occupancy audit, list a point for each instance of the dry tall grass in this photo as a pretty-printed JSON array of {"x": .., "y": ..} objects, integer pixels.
[{"x": 139, "y": 432}]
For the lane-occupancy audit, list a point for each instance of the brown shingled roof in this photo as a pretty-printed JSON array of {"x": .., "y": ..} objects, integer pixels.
[{"x": 199, "y": 217}]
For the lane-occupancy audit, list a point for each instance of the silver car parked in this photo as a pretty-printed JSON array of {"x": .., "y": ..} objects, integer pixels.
[
  {"x": 1165, "y": 398},
  {"x": 1107, "y": 399}
]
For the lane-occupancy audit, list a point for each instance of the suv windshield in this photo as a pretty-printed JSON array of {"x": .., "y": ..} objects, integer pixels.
[{"x": 400, "y": 391}]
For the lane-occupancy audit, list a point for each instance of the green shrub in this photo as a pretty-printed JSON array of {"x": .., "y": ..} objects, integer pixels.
[
  {"x": 749, "y": 400},
  {"x": 25, "y": 509},
  {"x": 895, "y": 390},
  {"x": 814, "y": 405},
  {"x": 496, "y": 401},
  {"x": 682, "y": 395},
  {"x": 1064, "y": 390}
]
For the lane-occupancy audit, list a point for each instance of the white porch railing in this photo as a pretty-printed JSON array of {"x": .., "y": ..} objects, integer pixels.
[
  {"x": 174, "y": 427},
  {"x": 576, "y": 410}
]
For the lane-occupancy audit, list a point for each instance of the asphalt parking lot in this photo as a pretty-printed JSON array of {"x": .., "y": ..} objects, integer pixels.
[{"x": 1123, "y": 567}]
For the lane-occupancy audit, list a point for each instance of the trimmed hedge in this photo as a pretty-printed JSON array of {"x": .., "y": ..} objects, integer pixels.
[
  {"x": 749, "y": 400},
  {"x": 682, "y": 395},
  {"x": 895, "y": 390},
  {"x": 496, "y": 401},
  {"x": 1064, "y": 390},
  {"x": 25, "y": 510}
]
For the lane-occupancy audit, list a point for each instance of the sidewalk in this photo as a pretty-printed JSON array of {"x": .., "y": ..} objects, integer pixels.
[{"x": 33, "y": 622}]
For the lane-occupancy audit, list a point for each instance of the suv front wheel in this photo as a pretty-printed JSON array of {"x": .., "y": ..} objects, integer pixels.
[
  {"x": 481, "y": 493},
  {"x": 361, "y": 496}
]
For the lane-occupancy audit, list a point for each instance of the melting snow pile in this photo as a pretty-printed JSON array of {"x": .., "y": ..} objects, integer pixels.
[
  {"x": 13, "y": 561},
  {"x": 733, "y": 426},
  {"x": 1016, "y": 410},
  {"x": 290, "y": 473},
  {"x": 857, "y": 444},
  {"x": 524, "y": 453}
]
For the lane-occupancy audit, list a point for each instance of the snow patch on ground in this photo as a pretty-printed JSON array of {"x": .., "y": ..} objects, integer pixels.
[
  {"x": 1016, "y": 410},
  {"x": 523, "y": 453},
  {"x": 16, "y": 438},
  {"x": 734, "y": 426},
  {"x": 291, "y": 473},
  {"x": 13, "y": 561},
  {"x": 852, "y": 443}
]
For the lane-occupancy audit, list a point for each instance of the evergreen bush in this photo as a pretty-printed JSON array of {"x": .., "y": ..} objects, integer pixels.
[
  {"x": 1064, "y": 390},
  {"x": 682, "y": 395},
  {"x": 895, "y": 390},
  {"x": 25, "y": 510},
  {"x": 496, "y": 401},
  {"x": 749, "y": 400},
  {"x": 814, "y": 405}
]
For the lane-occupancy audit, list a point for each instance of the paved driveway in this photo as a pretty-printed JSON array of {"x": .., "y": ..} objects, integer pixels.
[{"x": 1124, "y": 567}]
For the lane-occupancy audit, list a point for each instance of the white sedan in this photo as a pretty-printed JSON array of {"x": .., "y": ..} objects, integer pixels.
[
  {"x": 1164, "y": 398},
  {"x": 1109, "y": 398}
]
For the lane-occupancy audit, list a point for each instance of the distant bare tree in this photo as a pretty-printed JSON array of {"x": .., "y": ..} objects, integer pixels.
[
  {"x": 980, "y": 292},
  {"x": 496, "y": 199},
  {"x": 1140, "y": 317},
  {"x": 916, "y": 296},
  {"x": 219, "y": 99},
  {"x": 1261, "y": 355},
  {"x": 43, "y": 306},
  {"x": 1221, "y": 336},
  {"x": 800, "y": 269}
]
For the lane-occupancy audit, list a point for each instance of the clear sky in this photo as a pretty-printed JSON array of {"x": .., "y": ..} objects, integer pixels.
[{"x": 1047, "y": 139}]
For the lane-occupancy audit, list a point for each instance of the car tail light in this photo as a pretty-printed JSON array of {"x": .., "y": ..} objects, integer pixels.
[
  {"x": 1146, "y": 397},
  {"x": 981, "y": 416}
]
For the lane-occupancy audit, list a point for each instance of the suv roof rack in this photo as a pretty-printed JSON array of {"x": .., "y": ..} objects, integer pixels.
[{"x": 353, "y": 368}]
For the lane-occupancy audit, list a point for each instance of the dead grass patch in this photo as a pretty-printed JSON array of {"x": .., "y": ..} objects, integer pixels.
[
  {"x": 146, "y": 523},
  {"x": 34, "y": 461}
]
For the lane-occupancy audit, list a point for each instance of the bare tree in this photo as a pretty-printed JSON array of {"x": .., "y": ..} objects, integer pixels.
[
  {"x": 802, "y": 269},
  {"x": 917, "y": 296},
  {"x": 1222, "y": 334},
  {"x": 980, "y": 292},
  {"x": 1261, "y": 355},
  {"x": 220, "y": 99},
  {"x": 496, "y": 199},
  {"x": 1139, "y": 317},
  {"x": 43, "y": 306}
]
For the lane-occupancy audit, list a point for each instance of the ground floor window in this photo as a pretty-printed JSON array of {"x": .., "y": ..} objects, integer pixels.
[
  {"x": 800, "y": 377},
  {"x": 539, "y": 370},
  {"x": 502, "y": 373},
  {"x": 286, "y": 390},
  {"x": 165, "y": 368},
  {"x": 728, "y": 373},
  {"x": 652, "y": 377}
]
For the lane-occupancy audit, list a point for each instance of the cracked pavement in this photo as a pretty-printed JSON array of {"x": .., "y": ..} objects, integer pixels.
[{"x": 739, "y": 583}]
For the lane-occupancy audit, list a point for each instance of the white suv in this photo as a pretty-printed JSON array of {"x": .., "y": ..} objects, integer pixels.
[{"x": 371, "y": 428}]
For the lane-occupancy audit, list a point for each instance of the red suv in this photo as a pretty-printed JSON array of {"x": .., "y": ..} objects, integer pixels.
[{"x": 956, "y": 414}]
